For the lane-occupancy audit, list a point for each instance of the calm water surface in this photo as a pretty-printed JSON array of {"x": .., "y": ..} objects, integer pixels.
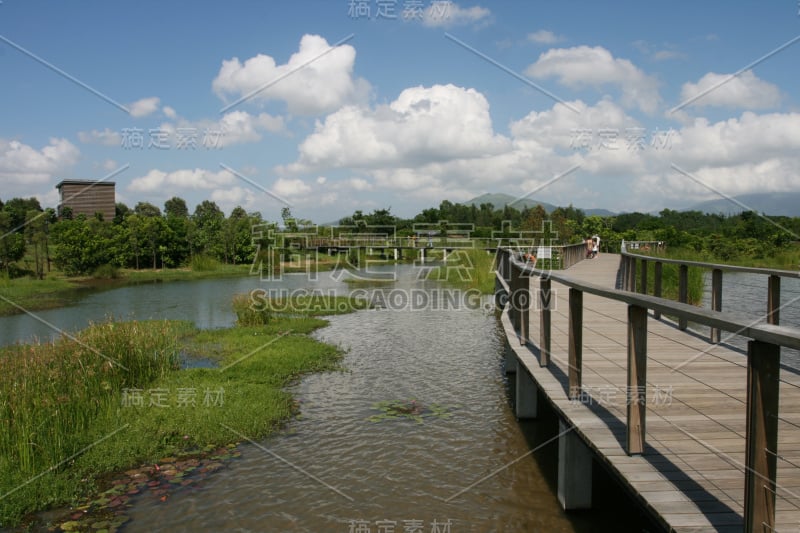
[
  {"x": 746, "y": 294},
  {"x": 333, "y": 467}
]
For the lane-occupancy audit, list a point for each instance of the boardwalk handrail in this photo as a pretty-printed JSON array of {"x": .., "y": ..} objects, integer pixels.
[
  {"x": 628, "y": 270},
  {"x": 763, "y": 364},
  {"x": 727, "y": 321},
  {"x": 721, "y": 266}
]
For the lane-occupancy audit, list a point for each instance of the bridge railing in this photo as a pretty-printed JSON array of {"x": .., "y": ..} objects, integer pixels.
[
  {"x": 763, "y": 362},
  {"x": 634, "y": 276}
]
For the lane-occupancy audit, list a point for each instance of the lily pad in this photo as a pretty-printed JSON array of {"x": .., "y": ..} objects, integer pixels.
[{"x": 408, "y": 409}]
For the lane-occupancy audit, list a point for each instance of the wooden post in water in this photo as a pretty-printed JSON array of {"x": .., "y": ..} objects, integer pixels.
[
  {"x": 761, "y": 440},
  {"x": 657, "y": 271},
  {"x": 774, "y": 300},
  {"x": 683, "y": 292},
  {"x": 575, "y": 342},
  {"x": 716, "y": 300},
  {"x": 546, "y": 301},
  {"x": 637, "y": 378}
]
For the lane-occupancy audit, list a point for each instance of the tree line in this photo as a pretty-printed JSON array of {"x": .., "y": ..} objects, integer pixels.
[
  {"x": 147, "y": 237},
  {"x": 140, "y": 237}
]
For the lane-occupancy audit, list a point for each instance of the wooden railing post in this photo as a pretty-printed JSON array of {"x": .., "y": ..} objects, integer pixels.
[
  {"x": 657, "y": 272},
  {"x": 774, "y": 300},
  {"x": 683, "y": 292},
  {"x": 637, "y": 378},
  {"x": 546, "y": 301},
  {"x": 761, "y": 440},
  {"x": 716, "y": 300},
  {"x": 513, "y": 286},
  {"x": 575, "y": 342},
  {"x": 643, "y": 284},
  {"x": 632, "y": 275},
  {"x": 524, "y": 303}
]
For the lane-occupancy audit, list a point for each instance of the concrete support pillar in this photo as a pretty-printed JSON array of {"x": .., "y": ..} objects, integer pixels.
[
  {"x": 574, "y": 470},
  {"x": 526, "y": 402},
  {"x": 509, "y": 360},
  {"x": 444, "y": 256},
  {"x": 422, "y": 255},
  {"x": 396, "y": 254}
]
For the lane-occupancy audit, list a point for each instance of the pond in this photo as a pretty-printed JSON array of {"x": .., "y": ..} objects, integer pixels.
[{"x": 467, "y": 463}]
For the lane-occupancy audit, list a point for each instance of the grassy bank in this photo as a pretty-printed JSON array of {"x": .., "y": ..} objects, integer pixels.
[
  {"x": 114, "y": 397},
  {"x": 59, "y": 290},
  {"x": 468, "y": 269}
]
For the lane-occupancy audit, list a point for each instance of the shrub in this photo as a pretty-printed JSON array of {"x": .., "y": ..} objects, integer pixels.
[{"x": 204, "y": 263}]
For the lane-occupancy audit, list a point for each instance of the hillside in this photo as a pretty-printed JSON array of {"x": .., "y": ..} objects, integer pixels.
[
  {"x": 499, "y": 200},
  {"x": 776, "y": 204}
]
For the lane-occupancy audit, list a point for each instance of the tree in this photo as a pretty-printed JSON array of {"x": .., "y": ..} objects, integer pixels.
[
  {"x": 176, "y": 244},
  {"x": 207, "y": 230},
  {"x": 12, "y": 245},
  {"x": 289, "y": 221},
  {"x": 146, "y": 209},
  {"x": 134, "y": 233},
  {"x": 176, "y": 207},
  {"x": 237, "y": 236},
  {"x": 155, "y": 232},
  {"x": 36, "y": 237},
  {"x": 82, "y": 245},
  {"x": 120, "y": 212},
  {"x": 17, "y": 209}
]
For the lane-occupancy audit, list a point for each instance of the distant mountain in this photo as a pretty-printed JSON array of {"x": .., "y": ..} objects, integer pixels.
[
  {"x": 599, "y": 212},
  {"x": 776, "y": 204},
  {"x": 500, "y": 200}
]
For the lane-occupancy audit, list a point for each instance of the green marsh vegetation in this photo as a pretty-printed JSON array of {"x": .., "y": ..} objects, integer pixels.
[{"x": 114, "y": 396}]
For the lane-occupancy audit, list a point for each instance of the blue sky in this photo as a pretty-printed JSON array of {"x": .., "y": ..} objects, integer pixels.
[{"x": 631, "y": 107}]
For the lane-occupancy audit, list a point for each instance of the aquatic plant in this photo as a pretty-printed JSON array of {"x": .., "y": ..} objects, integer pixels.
[{"x": 409, "y": 409}]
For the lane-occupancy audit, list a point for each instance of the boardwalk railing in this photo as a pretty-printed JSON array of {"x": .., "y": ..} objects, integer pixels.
[
  {"x": 633, "y": 265},
  {"x": 763, "y": 360}
]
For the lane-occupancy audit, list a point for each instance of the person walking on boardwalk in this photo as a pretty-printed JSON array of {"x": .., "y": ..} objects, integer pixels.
[{"x": 595, "y": 246}]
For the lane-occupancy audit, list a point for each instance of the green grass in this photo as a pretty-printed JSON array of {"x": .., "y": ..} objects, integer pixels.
[
  {"x": 258, "y": 308},
  {"x": 468, "y": 269},
  {"x": 670, "y": 282},
  {"x": 72, "y": 415},
  {"x": 32, "y": 294},
  {"x": 58, "y": 290},
  {"x": 783, "y": 259}
]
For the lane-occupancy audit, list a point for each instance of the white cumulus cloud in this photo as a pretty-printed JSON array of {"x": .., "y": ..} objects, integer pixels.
[
  {"x": 290, "y": 187},
  {"x": 596, "y": 67},
  {"x": 21, "y": 164},
  {"x": 179, "y": 180},
  {"x": 423, "y": 124},
  {"x": 317, "y": 79},
  {"x": 745, "y": 91},
  {"x": 144, "y": 107}
]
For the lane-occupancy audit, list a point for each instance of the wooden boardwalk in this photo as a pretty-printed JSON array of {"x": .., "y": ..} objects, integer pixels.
[{"x": 691, "y": 476}]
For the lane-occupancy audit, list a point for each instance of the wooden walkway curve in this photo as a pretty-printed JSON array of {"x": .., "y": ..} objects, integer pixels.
[{"x": 691, "y": 474}]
